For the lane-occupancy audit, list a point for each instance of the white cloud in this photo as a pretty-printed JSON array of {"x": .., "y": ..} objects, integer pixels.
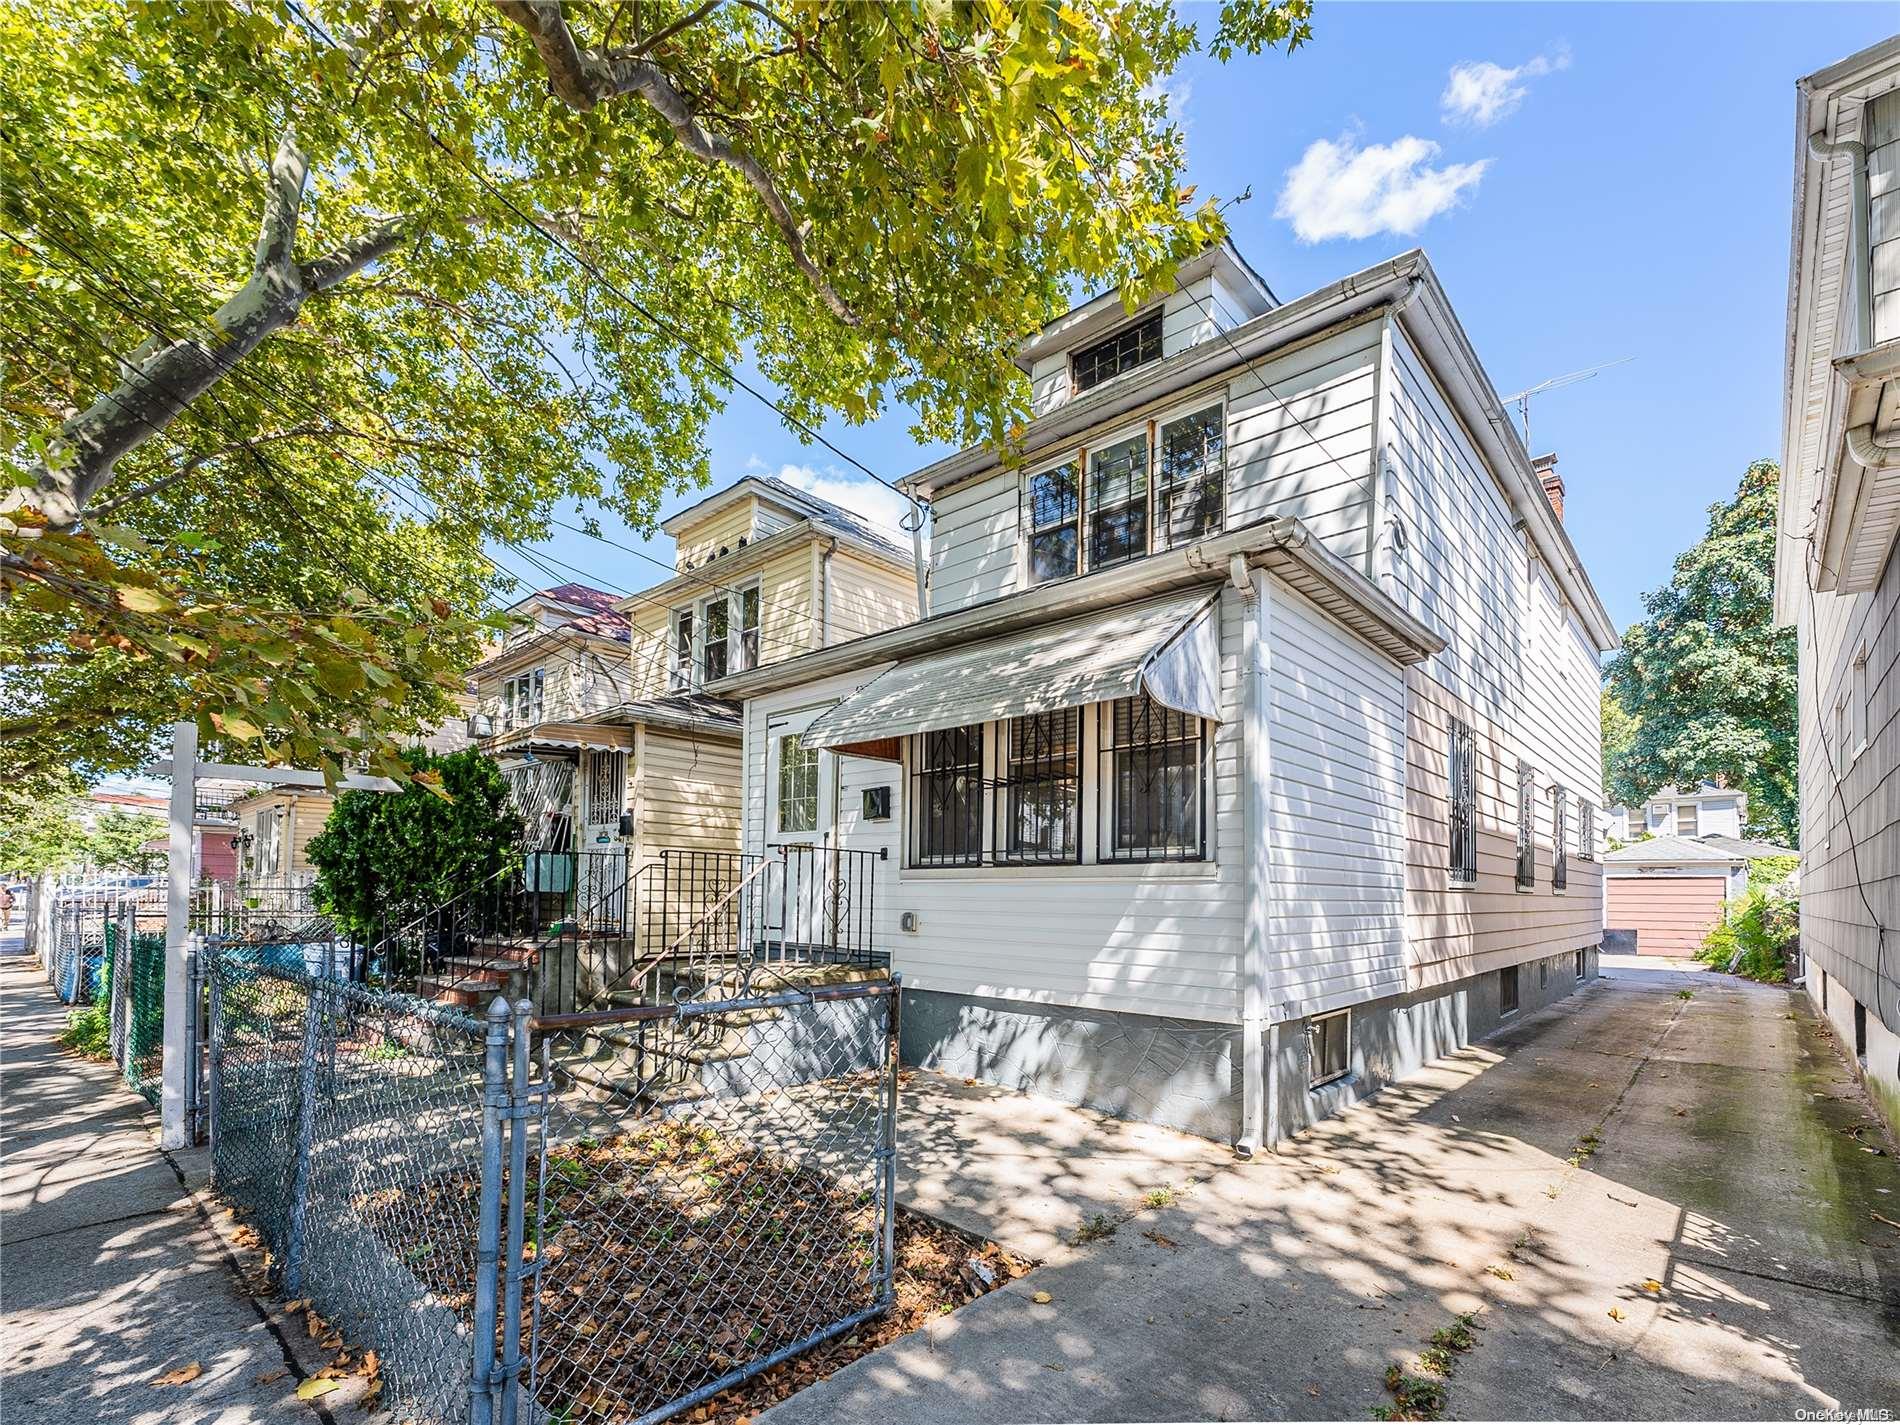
[
  {"x": 1480, "y": 92},
  {"x": 1175, "y": 93},
  {"x": 878, "y": 505},
  {"x": 1339, "y": 189}
]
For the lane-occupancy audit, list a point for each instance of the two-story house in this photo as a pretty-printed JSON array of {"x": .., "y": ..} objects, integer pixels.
[
  {"x": 1248, "y": 755},
  {"x": 1707, "y": 809},
  {"x": 1835, "y": 577}
]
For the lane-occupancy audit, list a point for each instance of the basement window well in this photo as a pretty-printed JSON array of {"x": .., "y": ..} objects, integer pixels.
[
  {"x": 1507, "y": 990},
  {"x": 1329, "y": 1047}
]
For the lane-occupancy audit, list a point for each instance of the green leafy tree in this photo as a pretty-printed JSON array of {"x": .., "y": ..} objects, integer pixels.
[
  {"x": 40, "y": 834},
  {"x": 386, "y": 854},
  {"x": 118, "y": 838},
  {"x": 1619, "y": 736},
  {"x": 1707, "y": 675},
  {"x": 307, "y": 302}
]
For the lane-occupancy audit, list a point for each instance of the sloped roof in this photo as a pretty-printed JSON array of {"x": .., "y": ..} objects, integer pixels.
[
  {"x": 1742, "y": 846},
  {"x": 783, "y": 492},
  {"x": 582, "y": 595},
  {"x": 1671, "y": 850}
]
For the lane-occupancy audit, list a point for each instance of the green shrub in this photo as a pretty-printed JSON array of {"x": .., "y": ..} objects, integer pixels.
[{"x": 1757, "y": 933}]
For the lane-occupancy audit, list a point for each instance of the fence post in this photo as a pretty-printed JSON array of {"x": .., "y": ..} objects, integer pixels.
[
  {"x": 887, "y": 1149},
  {"x": 118, "y": 980},
  {"x": 519, "y": 1113},
  {"x": 306, "y": 1125},
  {"x": 481, "y": 1395},
  {"x": 194, "y": 1067}
]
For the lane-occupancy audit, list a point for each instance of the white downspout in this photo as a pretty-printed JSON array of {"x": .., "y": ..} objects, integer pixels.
[
  {"x": 824, "y": 593},
  {"x": 916, "y": 522},
  {"x": 1823, "y": 150},
  {"x": 1259, "y": 1069}
]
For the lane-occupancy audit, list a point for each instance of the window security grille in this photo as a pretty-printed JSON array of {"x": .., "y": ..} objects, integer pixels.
[
  {"x": 947, "y": 797},
  {"x": 1190, "y": 481},
  {"x": 1153, "y": 761},
  {"x": 1526, "y": 825},
  {"x": 1054, "y": 498},
  {"x": 1586, "y": 831},
  {"x": 1559, "y": 838},
  {"x": 606, "y": 786},
  {"x": 1038, "y": 797},
  {"x": 797, "y": 785},
  {"x": 1118, "y": 501},
  {"x": 1126, "y": 349},
  {"x": 1463, "y": 796}
]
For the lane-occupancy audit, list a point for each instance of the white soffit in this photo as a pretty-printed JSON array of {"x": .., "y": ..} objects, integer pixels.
[{"x": 1168, "y": 647}]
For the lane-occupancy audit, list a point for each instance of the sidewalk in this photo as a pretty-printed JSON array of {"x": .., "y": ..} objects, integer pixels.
[{"x": 111, "y": 1278}]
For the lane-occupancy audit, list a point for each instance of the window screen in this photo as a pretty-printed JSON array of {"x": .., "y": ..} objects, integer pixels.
[
  {"x": 1054, "y": 500},
  {"x": 1118, "y": 501},
  {"x": 1126, "y": 349},
  {"x": 1190, "y": 479}
]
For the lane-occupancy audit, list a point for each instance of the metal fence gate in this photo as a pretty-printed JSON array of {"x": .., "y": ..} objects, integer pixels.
[{"x": 519, "y": 1224}]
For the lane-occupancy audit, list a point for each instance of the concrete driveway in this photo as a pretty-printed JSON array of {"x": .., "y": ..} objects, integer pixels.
[{"x": 1716, "y": 1250}]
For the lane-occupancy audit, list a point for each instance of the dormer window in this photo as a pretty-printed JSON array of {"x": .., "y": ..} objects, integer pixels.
[{"x": 1126, "y": 349}]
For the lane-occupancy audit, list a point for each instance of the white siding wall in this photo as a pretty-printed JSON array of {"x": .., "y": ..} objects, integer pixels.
[
  {"x": 1337, "y": 813},
  {"x": 1300, "y": 438}
]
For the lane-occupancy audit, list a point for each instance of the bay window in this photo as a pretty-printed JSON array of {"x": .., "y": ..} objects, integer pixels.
[{"x": 1118, "y": 501}]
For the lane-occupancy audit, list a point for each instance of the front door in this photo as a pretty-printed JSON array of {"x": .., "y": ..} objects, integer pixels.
[
  {"x": 801, "y": 804},
  {"x": 602, "y": 869}
]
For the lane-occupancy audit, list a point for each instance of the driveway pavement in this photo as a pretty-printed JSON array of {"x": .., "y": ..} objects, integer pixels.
[
  {"x": 111, "y": 1277},
  {"x": 1717, "y": 1249}
]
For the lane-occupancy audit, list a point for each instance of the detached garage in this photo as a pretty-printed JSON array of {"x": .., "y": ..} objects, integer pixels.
[{"x": 1667, "y": 891}]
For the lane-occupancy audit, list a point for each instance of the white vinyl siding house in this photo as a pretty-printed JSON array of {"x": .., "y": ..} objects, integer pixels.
[{"x": 1377, "y": 574}]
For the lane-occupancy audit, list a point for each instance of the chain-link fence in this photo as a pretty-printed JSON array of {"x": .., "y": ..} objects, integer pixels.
[{"x": 588, "y": 1217}]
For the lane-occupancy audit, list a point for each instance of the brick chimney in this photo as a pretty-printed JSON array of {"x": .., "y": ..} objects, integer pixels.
[{"x": 1544, "y": 467}]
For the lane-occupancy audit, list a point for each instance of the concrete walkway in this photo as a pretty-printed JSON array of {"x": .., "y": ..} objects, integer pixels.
[
  {"x": 111, "y": 1278},
  {"x": 1713, "y": 1252}
]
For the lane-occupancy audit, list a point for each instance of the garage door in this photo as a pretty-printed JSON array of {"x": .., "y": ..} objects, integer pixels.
[{"x": 1670, "y": 914}]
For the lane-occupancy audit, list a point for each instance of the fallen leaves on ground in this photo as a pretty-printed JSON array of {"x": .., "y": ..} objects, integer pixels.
[
  {"x": 1617, "y": 1313},
  {"x": 1042, "y": 1298},
  {"x": 1653, "y": 1287},
  {"x": 1503, "y": 1274},
  {"x": 1161, "y": 1239},
  {"x": 317, "y": 1386},
  {"x": 184, "y": 1375},
  {"x": 270, "y": 1377}
]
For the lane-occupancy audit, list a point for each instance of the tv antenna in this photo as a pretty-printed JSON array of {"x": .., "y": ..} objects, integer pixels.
[{"x": 1522, "y": 400}]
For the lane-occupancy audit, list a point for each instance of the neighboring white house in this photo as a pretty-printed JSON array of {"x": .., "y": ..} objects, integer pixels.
[
  {"x": 1835, "y": 578},
  {"x": 1248, "y": 755},
  {"x": 1705, "y": 810}
]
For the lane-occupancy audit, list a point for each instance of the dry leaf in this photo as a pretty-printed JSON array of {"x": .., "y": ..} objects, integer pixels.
[
  {"x": 1042, "y": 1298},
  {"x": 182, "y": 1376},
  {"x": 1161, "y": 1239},
  {"x": 1503, "y": 1274},
  {"x": 1617, "y": 1313},
  {"x": 270, "y": 1377},
  {"x": 1653, "y": 1286},
  {"x": 317, "y": 1386}
]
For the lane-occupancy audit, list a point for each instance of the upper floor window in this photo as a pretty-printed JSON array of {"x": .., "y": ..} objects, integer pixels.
[
  {"x": 1153, "y": 803},
  {"x": 682, "y": 650},
  {"x": 1190, "y": 478},
  {"x": 1686, "y": 823},
  {"x": 1559, "y": 838},
  {"x": 1121, "y": 351},
  {"x": 1526, "y": 826},
  {"x": 1463, "y": 797},
  {"x": 716, "y": 647},
  {"x": 1055, "y": 504},
  {"x": 947, "y": 797},
  {"x": 748, "y": 611},
  {"x": 1039, "y": 791},
  {"x": 523, "y": 699},
  {"x": 1118, "y": 501}
]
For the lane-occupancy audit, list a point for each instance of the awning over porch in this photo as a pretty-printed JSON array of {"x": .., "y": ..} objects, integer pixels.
[
  {"x": 1167, "y": 647},
  {"x": 560, "y": 737}
]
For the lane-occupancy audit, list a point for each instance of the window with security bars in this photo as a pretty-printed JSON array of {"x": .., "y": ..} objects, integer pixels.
[
  {"x": 797, "y": 785},
  {"x": 1191, "y": 478},
  {"x": 1462, "y": 794},
  {"x": 682, "y": 650},
  {"x": 1118, "y": 501},
  {"x": 1153, "y": 803},
  {"x": 1054, "y": 508},
  {"x": 947, "y": 797},
  {"x": 1559, "y": 838},
  {"x": 1038, "y": 796},
  {"x": 1121, "y": 351},
  {"x": 1526, "y": 826},
  {"x": 606, "y": 785},
  {"x": 1586, "y": 831}
]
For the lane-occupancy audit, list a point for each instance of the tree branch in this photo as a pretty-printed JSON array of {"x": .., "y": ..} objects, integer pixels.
[{"x": 583, "y": 81}]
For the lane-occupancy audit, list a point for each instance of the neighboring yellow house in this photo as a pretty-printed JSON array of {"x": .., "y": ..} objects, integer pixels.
[{"x": 594, "y": 711}]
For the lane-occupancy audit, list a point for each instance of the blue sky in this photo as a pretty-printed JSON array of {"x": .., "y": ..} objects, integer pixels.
[{"x": 1616, "y": 183}]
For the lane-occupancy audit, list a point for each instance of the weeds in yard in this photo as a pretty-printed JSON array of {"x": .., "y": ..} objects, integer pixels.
[
  {"x": 1158, "y": 1197},
  {"x": 88, "y": 1032},
  {"x": 1586, "y": 1149},
  {"x": 1685, "y": 994},
  {"x": 1097, "y": 1227},
  {"x": 1422, "y": 1394}
]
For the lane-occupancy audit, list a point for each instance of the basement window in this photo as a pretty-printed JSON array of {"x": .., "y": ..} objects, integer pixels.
[
  {"x": 1583, "y": 963},
  {"x": 1329, "y": 1047},
  {"x": 1507, "y": 990}
]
